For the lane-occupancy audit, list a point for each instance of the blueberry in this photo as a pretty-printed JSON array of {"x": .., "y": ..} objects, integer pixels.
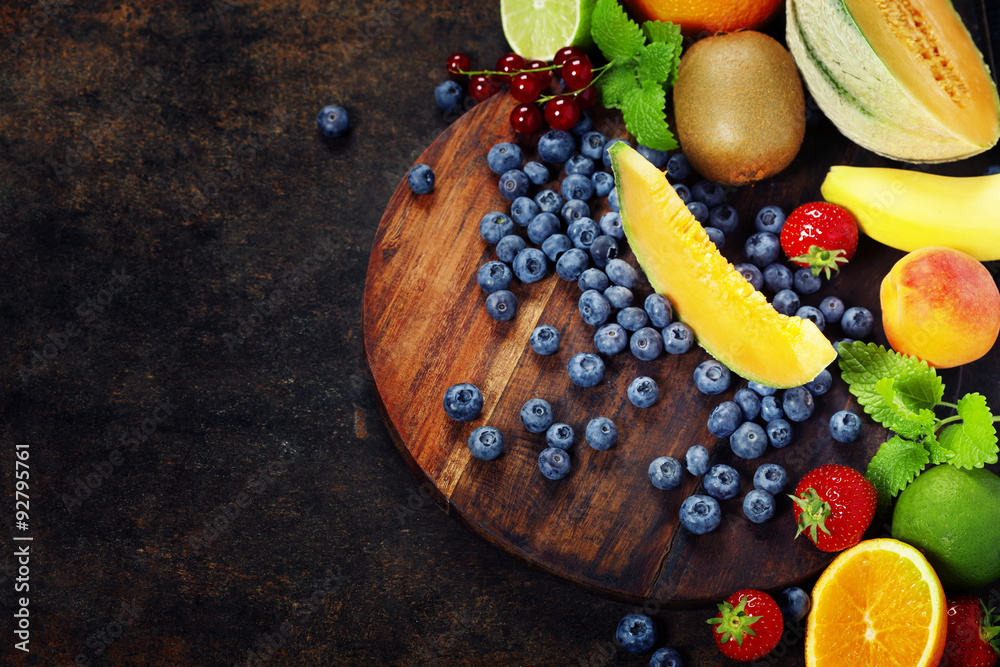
[
  {"x": 601, "y": 433},
  {"x": 762, "y": 248},
  {"x": 678, "y": 167},
  {"x": 494, "y": 226},
  {"x": 677, "y": 338},
  {"x": 708, "y": 192},
  {"x": 421, "y": 179},
  {"x": 559, "y": 436},
  {"x": 593, "y": 279},
  {"x": 725, "y": 419},
  {"x": 582, "y": 233},
  {"x": 657, "y": 158},
  {"x": 501, "y": 305},
  {"x": 332, "y": 120},
  {"x": 643, "y": 392},
  {"x": 582, "y": 126},
  {"x": 503, "y": 157},
  {"x": 585, "y": 369},
  {"x": 820, "y": 384},
  {"x": 549, "y": 201},
  {"x": 722, "y": 482},
  {"x": 770, "y": 219},
  {"x": 579, "y": 164},
  {"x": 666, "y": 657},
  {"x": 513, "y": 184},
  {"x": 603, "y": 182},
  {"x": 758, "y": 506},
  {"x": 749, "y": 403},
  {"x": 699, "y": 211},
  {"x": 700, "y": 514},
  {"x": 659, "y": 310},
  {"x": 463, "y": 402},
  {"x": 845, "y": 426},
  {"x": 554, "y": 463},
  {"x": 777, "y": 277},
  {"x": 770, "y": 477},
  {"x": 856, "y": 323},
  {"x": 812, "y": 314},
  {"x": 779, "y": 432},
  {"x": 603, "y": 249},
  {"x": 486, "y": 443},
  {"x": 449, "y": 95},
  {"x": 542, "y": 226},
  {"x": 573, "y": 210},
  {"x": 633, "y": 318},
  {"x": 798, "y": 404},
  {"x": 646, "y": 344},
  {"x": 621, "y": 273},
  {"x": 618, "y": 296},
  {"x": 508, "y": 247},
  {"x": 761, "y": 390},
  {"x": 636, "y": 633},
  {"x": 594, "y": 308},
  {"x": 592, "y": 145},
  {"x": 529, "y": 265},
  {"x": 786, "y": 302},
  {"x": 711, "y": 377},
  {"x": 555, "y": 146},
  {"x": 605, "y": 157},
  {"x": 611, "y": 339},
  {"x": 523, "y": 210},
  {"x": 697, "y": 460},
  {"x": 752, "y": 275},
  {"x": 832, "y": 309},
  {"x": 770, "y": 409},
  {"x": 555, "y": 246},
  {"x": 611, "y": 225},
  {"x": 794, "y": 604},
  {"x": 494, "y": 276},
  {"x": 749, "y": 441},
  {"x": 805, "y": 282},
  {"x": 724, "y": 218},
  {"x": 992, "y": 170},
  {"x": 613, "y": 201},
  {"x": 545, "y": 339},
  {"x": 536, "y": 415},
  {"x": 572, "y": 263},
  {"x": 684, "y": 194},
  {"x": 665, "y": 473},
  {"x": 536, "y": 172},
  {"x": 716, "y": 236}
]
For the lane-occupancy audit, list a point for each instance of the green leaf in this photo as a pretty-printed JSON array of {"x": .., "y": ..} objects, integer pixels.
[
  {"x": 896, "y": 416},
  {"x": 974, "y": 440},
  {"x": 920, "y": 388},
  {"x": 656, "y": 63},
  {"x": 664, "y": 32},
  {"x": 644, "y": 117},
  {"x": 616, "y": 35},
  {"x": 937, "y": 453},
  {"x": 615, "y": 84},
  {"x": 895, "y": 465}
]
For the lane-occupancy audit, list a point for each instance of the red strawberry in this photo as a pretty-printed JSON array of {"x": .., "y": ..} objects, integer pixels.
[
  {"x": 972, "y": 634},
  {"x": 821, "y": 236},
  {"x": 748, "y": 625},
  {"x": 834, "y": 505}
]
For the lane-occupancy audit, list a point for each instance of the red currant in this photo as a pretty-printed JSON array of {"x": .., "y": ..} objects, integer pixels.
[
  {"x": 525, "y": 87},
  {"x": 507, "y": 65},
  {"x": 525, "y": 118},
  {"x": 481, "y": 87},
  {"x": 545, "y": 76},
  {"x": 562, "y": 113},
  {"x": 577, "y": 72},
  {"x": 456, "y": 62},
  {"x": 566, "y": 53},
  {"x": 586, "y": 98}
]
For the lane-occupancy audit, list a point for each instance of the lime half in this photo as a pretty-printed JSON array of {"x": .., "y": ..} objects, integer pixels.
[{"x": 536, "y": 29}]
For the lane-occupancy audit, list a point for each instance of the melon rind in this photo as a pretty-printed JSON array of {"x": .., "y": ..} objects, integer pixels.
[{"x": 859, "y": 94}]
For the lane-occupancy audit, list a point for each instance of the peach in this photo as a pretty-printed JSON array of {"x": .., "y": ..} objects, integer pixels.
[{"x": 940, "y": 305}]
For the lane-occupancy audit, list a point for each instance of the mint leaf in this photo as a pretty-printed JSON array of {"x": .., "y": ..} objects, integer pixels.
[
  {"x": 662, "y": 31},
  {"x": 937, "y": 453},
  {"x": 974, "y": 441},
  {"x": 656, "y": 63},
  {"x": 615, "y": 84},
  {"x": 615, "y": 34},
  {"x": 896, "y": 416},
  {"x": 920, "y": 387},
  {"x": 895, "y": 465},
  {"x": 644, "y": 117}
]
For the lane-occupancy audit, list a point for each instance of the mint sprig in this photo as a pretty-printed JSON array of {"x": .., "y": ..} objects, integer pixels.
[
  {"x": 639, "y": 70},
  {"x": 901, "y": 393}
]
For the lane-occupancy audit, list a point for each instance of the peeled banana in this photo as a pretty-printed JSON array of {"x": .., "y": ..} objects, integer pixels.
[{"x": 910, "y": 209}]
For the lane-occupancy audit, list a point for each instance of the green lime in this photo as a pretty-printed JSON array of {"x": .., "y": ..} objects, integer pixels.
[
  {"x": 536, "y": 29},
  {"x": 953, "y": 516}
]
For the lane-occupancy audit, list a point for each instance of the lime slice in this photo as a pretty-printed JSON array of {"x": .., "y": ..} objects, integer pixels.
[{"x": 536, "y": 29}]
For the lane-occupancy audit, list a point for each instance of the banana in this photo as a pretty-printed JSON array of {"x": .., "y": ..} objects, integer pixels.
[{"x": 908, "y": 210}]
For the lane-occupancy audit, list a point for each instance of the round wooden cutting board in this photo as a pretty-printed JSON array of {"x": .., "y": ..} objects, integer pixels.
[{"x": 604, "y": 526}]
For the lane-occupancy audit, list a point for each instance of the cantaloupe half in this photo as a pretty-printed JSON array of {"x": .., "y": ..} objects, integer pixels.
[{"x": 731, "y": 320}]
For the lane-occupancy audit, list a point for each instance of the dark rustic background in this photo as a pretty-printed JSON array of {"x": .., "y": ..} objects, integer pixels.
[{"x": 183, "y": 261}]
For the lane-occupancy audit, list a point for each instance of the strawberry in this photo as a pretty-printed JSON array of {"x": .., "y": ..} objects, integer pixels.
[
  {"x": 748, "y": 626},
  {"x": 972, "y": 634},
  {"x": 834, "y": 505},
  {"x": 821, "y": 236}
]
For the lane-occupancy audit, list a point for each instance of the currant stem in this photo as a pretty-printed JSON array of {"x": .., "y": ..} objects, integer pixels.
[
  {"x": 511, "y": 74},
  {"x": 599, "y": 72}
]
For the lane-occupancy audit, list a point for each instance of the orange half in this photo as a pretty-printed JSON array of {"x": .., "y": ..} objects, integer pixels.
[{"x": 878, "y": 604}]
